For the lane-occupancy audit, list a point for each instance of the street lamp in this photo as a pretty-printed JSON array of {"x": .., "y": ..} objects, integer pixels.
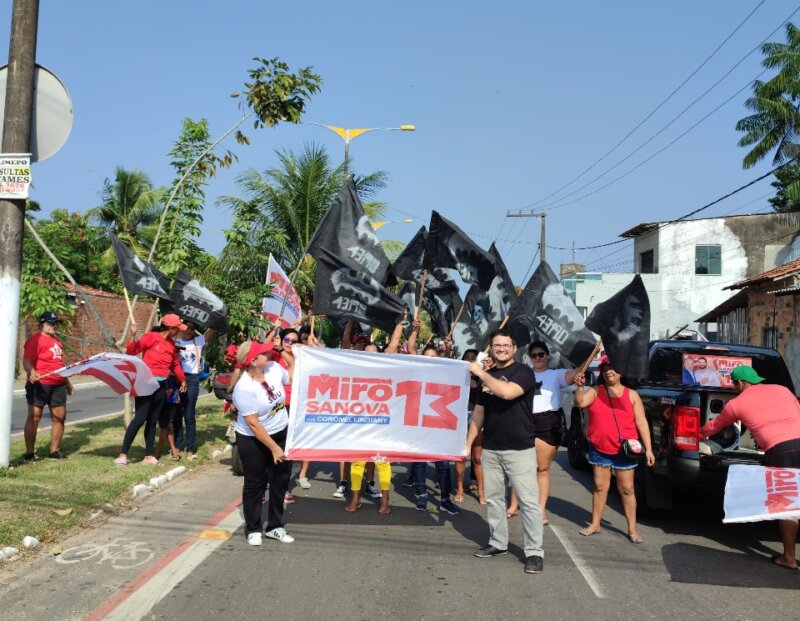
[
  {"x": 351, "y": 134},
  {"x": 377, "y": 225}
]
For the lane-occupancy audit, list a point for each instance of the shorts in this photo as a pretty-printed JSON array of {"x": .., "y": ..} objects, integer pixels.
[
  {"x": 784, "y": 455},
  {"x": 617, "y": 462},
  {"x": 40, "y": 395},
  {"x": 548, "y": 427},
  {"x": 167, "y": 416}
]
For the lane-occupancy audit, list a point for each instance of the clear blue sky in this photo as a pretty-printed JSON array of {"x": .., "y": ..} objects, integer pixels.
[{"x": 511, "y": 101}]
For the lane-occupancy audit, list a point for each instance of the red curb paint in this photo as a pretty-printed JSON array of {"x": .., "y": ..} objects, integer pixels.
[{"x": 134, "y": 585}]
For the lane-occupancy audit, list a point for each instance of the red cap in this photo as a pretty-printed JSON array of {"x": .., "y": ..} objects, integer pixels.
[
  {"x": 604, "y": 360},
  {"x": 257, "y": 348},
  {"x": 171, "y": 320}
]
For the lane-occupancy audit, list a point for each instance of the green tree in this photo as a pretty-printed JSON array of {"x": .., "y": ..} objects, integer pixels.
[
  {"x": 775, "y": 122},
  {"x": 787, "y": 188},
  {"x": 130, "y": 209}
]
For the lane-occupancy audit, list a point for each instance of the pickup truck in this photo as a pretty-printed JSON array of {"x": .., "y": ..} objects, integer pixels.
[{"x": 686, "y": 386}]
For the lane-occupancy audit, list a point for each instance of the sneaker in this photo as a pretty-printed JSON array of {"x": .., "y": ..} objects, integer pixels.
[
  {"x": 56, "y": 455},
  {"x": 448, "y": 506},
  {"x": 341, "y": 490},
  {"x": 254, "y": 539},
  {"x": 409, "y": 482},
  {"x": 280, "y": 534},
  {"x": 30, "y": 457},
  {"x": 534, "y": 565},
  {"x": 422, "y": 502},
  {"x": 489, "y": 552},
  {"x": 288, "y": 498},
  {"x": 304, "y": 482},
  {"x": 372, "y": 491}
]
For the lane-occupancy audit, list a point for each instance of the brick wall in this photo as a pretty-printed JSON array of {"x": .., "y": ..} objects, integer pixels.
[
  {"x": 767, "y": 310},
  {"x": 81, "y": 334}
]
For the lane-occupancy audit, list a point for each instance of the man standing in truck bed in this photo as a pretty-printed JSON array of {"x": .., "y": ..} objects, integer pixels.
[{"x": 772, "y": 414}]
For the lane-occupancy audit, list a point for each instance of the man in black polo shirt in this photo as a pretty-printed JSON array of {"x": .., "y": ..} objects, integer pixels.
[{"x": 504, "y": 411}]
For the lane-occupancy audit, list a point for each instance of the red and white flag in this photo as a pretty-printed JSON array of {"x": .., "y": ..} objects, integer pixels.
[
  {"x": 122, "y": 373},
  {"x": 362, "y": 406},
  {"x": 274, "y": 302},
  {"x": 756, "y": 493}
]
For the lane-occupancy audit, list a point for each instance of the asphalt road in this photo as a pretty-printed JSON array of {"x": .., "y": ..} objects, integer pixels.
[
  {"x": 410, "y": 565},
  {"x": 88, "y": 401}
]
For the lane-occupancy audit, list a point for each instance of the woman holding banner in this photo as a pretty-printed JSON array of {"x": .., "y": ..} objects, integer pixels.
[
  {"x": 159, "y": 354},
  {"x": 616, "y": 413},
  {"x": 260, "y": 400}
]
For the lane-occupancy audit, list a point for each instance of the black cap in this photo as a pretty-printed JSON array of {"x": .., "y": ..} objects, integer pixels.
[{"x": 49, "y": 317}]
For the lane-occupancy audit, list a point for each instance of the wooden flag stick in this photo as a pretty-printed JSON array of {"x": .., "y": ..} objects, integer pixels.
[
  {"x": 128, "y": 302},
  {"x": 582, "y": 369},
  {"x": 430, "y": 338},
  {"x": 455, "y": 323},
  {"x": 421, "y": 293},
  {"x": 312, "y": 326}
]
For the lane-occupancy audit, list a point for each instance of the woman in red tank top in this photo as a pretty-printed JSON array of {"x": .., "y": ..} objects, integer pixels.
[{"x": 605, "y": 402}]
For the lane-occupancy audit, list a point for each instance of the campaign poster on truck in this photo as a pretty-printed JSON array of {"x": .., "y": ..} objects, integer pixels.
[{"x": 711, "y": 371}]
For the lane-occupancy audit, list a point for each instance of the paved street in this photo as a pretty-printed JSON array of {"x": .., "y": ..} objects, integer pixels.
[{"x": 411, "y": 565}]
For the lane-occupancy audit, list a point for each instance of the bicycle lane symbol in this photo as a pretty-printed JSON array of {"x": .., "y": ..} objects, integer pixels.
[{"x": 119, "y": 553}]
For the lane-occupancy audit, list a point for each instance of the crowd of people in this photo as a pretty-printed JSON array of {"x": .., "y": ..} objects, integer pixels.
[{"x": 514, "y": 430}]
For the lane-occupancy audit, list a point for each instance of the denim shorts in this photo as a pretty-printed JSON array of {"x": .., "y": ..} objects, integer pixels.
[{"x": 617, "y": 462}]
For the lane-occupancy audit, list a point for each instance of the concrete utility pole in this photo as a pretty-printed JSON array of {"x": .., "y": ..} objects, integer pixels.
[
  {"x": 532, "y": 214},
  {"x": 16, "y": 139}
]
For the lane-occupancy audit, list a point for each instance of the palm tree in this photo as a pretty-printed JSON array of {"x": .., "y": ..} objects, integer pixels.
[
  {"x": 775, "y": 122},
  {"x": 130, "y": 209},
  {"x": 281, "y": 209}
]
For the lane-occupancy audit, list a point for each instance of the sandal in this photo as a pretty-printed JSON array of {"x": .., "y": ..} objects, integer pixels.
[
  {"x": 473, "y": 487},
  {"x": 588, "y": 532},
  {"x": 384, "y": 511},
  {"x": 774, "y": 561},
  {"x": 458, "y": 498},
  {"x": 121, "y": 461},
  {"x": 636, "y": 538},
  {"x": 510, "y": 514},
  {"x": 349, "y": 510},
  {"x": 545, "y": 522}
]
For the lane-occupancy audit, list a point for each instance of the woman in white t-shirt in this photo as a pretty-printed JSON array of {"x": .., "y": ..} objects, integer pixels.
[
  {"x": 190, "y": 349},
  {"x": 547, "y": 419},
  {"x": 259, "y": 397}
]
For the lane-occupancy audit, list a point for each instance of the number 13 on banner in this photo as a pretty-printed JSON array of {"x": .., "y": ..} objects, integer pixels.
[{"x": 443, "y": 417}]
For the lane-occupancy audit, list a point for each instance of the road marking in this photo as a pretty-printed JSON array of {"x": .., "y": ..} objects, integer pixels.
[
  {"x": 216, "y": 533},
  {"x": 135, "y": 600},
  {"x": 585, "y": 570}
]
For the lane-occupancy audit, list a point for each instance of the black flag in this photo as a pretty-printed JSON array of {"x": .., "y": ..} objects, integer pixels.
[
  {"x": 502, "y": 293},
  {"x": 623, "y": 322},
  {"x": 139, "y": 277},
  {"x": 346, "y": 233},
  {"x": 449, "y": 246},
  {"x": 544, "y": 312},
  {"x": 408, "y": 293},
  {"x": 342, "y": 290},
  {"x": 193, "y": 302},
  {"x": 409, "y": 266},
  {"x": 442, "y": 307},
  {"x": 475, "y": 324}
]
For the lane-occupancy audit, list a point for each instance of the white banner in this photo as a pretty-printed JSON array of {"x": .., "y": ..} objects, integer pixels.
[
  {"x": 362, "y": 406},
  {"x": 122, "y": 373},
  {"x": 15, "y": 175},
  {"x": 280, "y": 290},
  {"x": 757, "y": 493}
]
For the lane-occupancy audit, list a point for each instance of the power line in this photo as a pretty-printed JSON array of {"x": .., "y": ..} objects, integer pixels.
[{"x": 660, "y": 105}]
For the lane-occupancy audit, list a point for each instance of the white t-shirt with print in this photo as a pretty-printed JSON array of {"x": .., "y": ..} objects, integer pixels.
[
  {"x": 191, "y": 353},
  {"x": 553, "y": 382},
  {"x": 252, "y": 399}
]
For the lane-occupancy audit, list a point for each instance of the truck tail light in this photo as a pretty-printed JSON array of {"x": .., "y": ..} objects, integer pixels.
[{"x": 686, "y": 427}]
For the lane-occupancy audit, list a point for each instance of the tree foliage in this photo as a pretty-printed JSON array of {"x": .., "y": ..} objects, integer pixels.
[{"x": 787, "y": 188}]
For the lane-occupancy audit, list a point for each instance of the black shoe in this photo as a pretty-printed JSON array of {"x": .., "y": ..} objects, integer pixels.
[
  {"x": 534, "y": 565},
  {"x": 56, "y": 455},
  {"x": 30, "y": 457},
  {"x": 490, "y": 551}
]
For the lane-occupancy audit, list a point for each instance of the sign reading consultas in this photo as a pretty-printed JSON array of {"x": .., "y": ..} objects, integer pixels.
[{"x": 15, "y": 175}]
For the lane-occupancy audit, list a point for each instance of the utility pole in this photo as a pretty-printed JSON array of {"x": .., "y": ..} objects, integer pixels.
[
  {"x": 16, "y": 139},
  {"x": 532, "y": 214}
]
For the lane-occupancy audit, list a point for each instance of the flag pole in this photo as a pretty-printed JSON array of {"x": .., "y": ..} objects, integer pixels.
[
  {"x": 421, "y": 293},
  {"x": 455, "y": 322},
  {"x": 128, "y": 302},
  {"x": 312, "y": 326}
]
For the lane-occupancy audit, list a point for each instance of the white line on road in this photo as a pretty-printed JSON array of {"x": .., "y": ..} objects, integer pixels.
[{"x": 585, "y": 570}]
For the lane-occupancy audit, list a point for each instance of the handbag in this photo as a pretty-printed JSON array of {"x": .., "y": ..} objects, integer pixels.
[
  {"x": 630, "y": 447},
  {"x": 562, "y": 428}
]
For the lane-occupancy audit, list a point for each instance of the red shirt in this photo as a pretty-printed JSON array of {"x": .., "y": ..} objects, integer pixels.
[
  {"x": 287, "y": 388},
  {"x": 159, "y": 355},
  {"x": 602, "y": 432},
  {"x": 769, "y": 411},
  {"x": 46, "y": 354}
]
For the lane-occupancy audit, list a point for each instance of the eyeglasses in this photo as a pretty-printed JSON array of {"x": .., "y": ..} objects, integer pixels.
[
  {"x": 289, "y": 340},
  {"x": 538, "y": 354},
  {"x": 502, "y": 346}
]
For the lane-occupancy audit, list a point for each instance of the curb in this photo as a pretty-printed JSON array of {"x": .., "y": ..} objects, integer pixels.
[{"x": 141, "y": 489}]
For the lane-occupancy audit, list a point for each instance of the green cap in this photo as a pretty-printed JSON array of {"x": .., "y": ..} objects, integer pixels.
[{"x": 746, "y": 374}]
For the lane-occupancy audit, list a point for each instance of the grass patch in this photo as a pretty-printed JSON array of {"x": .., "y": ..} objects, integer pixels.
[{"x": 88, "y": 479}]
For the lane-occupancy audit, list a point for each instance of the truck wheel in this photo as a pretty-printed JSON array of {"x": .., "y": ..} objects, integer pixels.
[
  {"x": 236, "y": 461},
  {"x": 576, "y": 445}
]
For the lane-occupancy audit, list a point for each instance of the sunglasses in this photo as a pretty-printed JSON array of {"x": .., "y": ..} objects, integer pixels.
[
  {"x": 538, "y": 354},
  {"x": 289, "y": 340}
]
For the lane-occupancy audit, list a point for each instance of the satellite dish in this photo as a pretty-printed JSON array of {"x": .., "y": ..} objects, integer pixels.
[{"x": 51, "y": 122}]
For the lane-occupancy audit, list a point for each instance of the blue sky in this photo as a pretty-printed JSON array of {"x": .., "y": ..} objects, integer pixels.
[{"x": 511, "y": 100}]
